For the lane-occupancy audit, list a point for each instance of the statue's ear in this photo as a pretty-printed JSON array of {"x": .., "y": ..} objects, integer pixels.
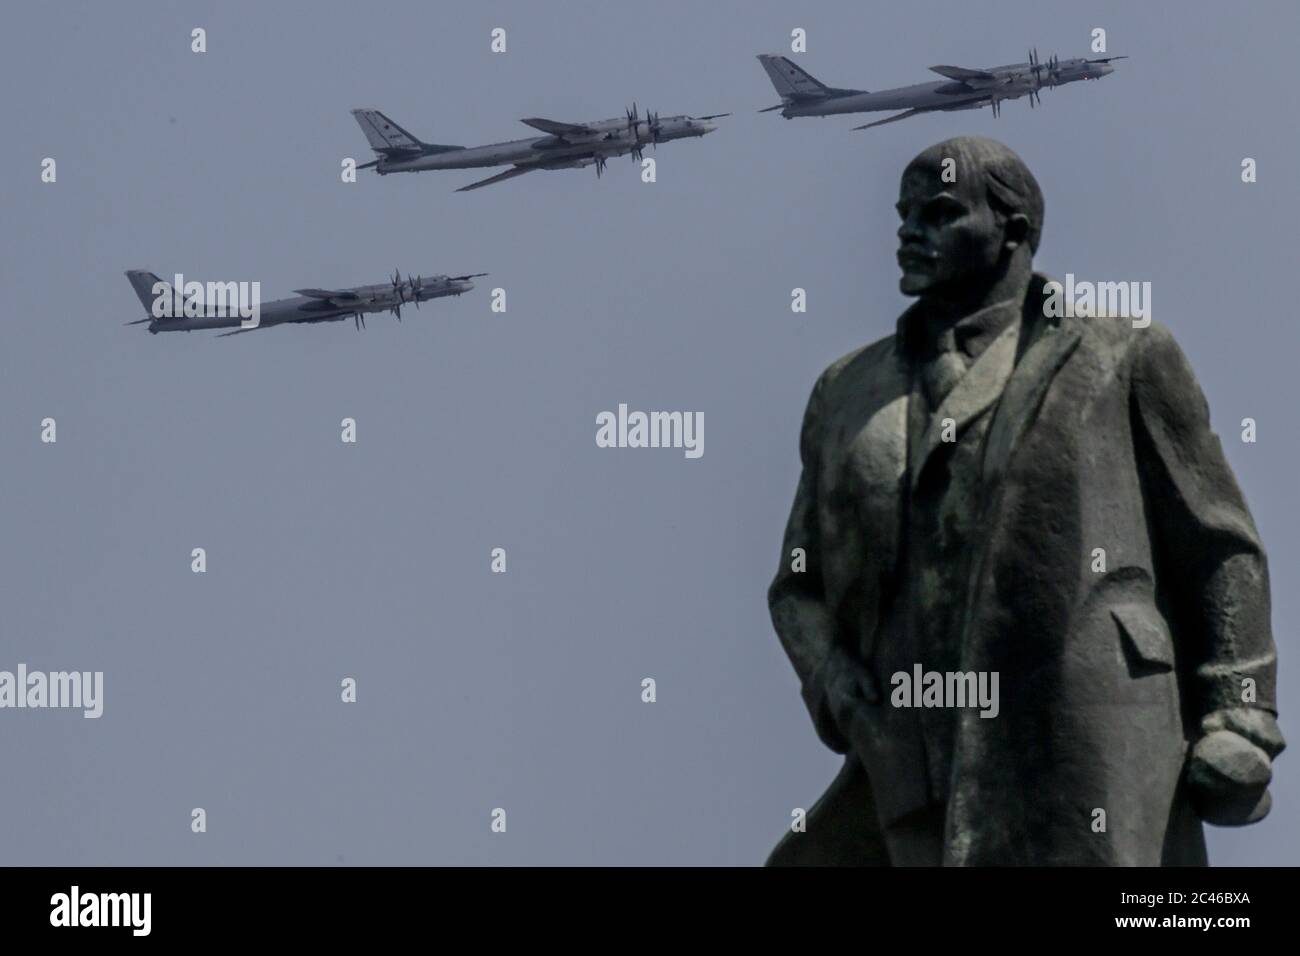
[{"x": 1016, "y": 230}]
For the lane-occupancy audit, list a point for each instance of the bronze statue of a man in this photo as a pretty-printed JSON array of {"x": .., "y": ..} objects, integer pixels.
[{"x": 1000, "y": 497}]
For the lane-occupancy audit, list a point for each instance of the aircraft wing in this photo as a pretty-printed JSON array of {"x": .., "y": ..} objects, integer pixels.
[
  {"x": 328, "y": 295},
  {"x": 558, "y": 129},
  {"x": 499, "y": 177},
  {"x": 973, "y": 102},
  {"x": 899, "y": 116},
  {"x": 961, "y": 73},
  {"x": 310, "y": 321},
  {"x": 319, "y": 318}
]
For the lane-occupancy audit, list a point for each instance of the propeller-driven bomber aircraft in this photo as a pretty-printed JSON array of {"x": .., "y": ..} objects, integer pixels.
[
  {"x": 802, "y": 95},
  {"x": 564, "y": 145},
  {"x": 311, "y": 305}
]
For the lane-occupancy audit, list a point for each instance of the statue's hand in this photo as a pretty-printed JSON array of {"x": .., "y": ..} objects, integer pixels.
[
  {"x": 848, "y": 687},
  {"x": 1231, "y": 765}
]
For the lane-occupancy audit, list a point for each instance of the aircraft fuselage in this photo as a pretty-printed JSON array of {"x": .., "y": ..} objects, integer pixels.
[
  {"x": 613, "y": 137},
  {"x": 1014, "y": 80},
  {"x": 297, "y": 309}
]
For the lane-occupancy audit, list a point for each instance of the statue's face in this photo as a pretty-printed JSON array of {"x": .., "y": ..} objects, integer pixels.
[{"x": 949, "y": 233}]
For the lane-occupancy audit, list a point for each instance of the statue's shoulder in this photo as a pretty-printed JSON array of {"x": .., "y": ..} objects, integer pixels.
[
  {"x": 863, "y": 362},
  {"x": 1120, "y": 335},
  {"x": 1108, "y": 326}
]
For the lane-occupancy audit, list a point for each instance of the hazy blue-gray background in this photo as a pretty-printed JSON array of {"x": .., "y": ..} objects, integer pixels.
[{"x": 476, "y": 430}]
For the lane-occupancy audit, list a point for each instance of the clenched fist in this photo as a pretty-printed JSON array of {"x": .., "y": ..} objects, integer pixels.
[{"x": 1231, "y": 765}]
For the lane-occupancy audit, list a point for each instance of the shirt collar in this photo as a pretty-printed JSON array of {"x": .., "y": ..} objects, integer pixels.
[{"x": 972, "y": 334}]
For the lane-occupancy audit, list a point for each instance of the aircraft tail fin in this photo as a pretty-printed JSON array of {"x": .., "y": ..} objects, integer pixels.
[
  {"x": 792, "y": 82},
  {"x": 143, "y": 284},
  {"x": 389, "y": 139}
]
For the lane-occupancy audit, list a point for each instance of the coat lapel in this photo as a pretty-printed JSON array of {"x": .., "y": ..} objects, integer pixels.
[
  {"x": 978, "y": 389},
  {"x": 1052, "y": 344}
]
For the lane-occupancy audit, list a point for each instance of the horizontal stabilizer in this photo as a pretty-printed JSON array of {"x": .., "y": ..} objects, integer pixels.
[
  {"x": 961, "y": 73},
  {"x": 557, "y": 129}
]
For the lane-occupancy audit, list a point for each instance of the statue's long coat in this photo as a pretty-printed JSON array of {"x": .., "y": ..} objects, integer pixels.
[{"x": 1100, "y": 442}]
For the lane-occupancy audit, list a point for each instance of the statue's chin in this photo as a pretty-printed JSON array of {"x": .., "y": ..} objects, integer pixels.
[{"x": 913, "y": 284}]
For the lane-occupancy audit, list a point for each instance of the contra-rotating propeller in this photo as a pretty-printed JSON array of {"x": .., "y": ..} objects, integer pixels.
[
  {"x": 1036, "y": 66},
  {"x": 399, "y": 290},
  {"x": 652, "y": 125},
  {"x": 634, "y": 131}
]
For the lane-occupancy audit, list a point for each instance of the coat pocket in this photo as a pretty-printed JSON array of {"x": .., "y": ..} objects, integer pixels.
[{"x": 1145, "y": 636}]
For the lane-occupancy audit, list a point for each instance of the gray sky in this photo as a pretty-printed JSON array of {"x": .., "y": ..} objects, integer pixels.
[{"x": 476, "y": 430}]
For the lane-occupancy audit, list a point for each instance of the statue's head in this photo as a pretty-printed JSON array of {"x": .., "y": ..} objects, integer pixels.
[{"x": 971, "y": 210}]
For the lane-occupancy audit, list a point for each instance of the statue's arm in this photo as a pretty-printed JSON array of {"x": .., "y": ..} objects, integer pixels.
[
  {"x": 797, "y": 600},
  {"x": 1213, "y": 565}
]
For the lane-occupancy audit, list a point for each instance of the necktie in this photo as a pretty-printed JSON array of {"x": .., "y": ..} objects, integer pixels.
[{"x": 941, "y": 372}]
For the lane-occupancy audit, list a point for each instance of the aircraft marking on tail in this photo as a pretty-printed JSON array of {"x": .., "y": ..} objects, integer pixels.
[
  {"x": 793, "y": 82},
  {"x": 391, "y": 141},
  {"x": 383, "y": 134}
]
